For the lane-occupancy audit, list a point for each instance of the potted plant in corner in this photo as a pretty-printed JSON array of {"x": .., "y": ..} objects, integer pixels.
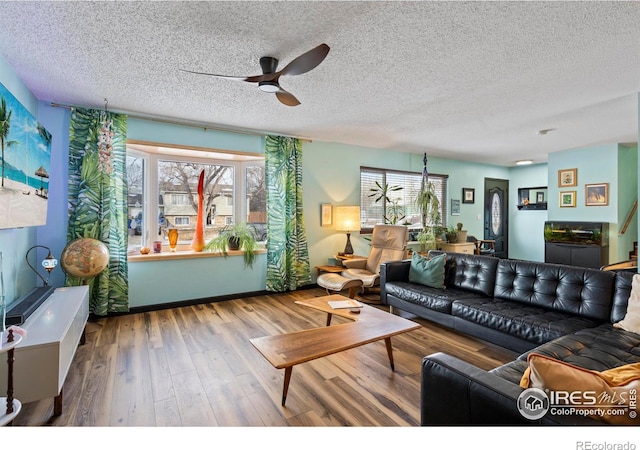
[{"x": 236, "y": 236}]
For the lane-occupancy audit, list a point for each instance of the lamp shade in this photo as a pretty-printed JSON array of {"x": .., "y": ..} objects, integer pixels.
[{"x": 347, "y": 218}]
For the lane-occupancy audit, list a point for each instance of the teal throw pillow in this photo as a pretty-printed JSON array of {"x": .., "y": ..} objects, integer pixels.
[{"x": 429, "y": 272}]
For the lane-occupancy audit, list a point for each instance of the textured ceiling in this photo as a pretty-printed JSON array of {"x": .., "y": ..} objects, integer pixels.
[{"x": 464, "y": 80}]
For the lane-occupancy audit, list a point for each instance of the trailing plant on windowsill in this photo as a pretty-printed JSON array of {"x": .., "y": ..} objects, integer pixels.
[{"x": 236, "y": 236}]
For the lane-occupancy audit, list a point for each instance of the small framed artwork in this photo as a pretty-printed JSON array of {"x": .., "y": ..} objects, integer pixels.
[
  {"x": 567, "y": 199},
  {"x": 596, "y": 194},
  {"x": 567, "y": 177},
  {"x": 326, "y": 214},
  {"x": 468, "y": 195},
  {"x": 455, "y": 207},
  {"x": 523, "y": 198},
  {"x": 540, "y": 197}
]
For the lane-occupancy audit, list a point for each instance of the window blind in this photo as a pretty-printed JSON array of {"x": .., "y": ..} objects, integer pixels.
[{"x": 400, "y": 206}]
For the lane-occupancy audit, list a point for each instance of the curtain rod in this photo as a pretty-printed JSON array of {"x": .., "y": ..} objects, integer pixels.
[{"x": 204, "y": 127}]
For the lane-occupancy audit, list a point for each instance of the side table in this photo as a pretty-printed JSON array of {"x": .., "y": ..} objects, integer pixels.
[
  {"x": 329, "y": 269},
  {"x": 9, "y": 406}
]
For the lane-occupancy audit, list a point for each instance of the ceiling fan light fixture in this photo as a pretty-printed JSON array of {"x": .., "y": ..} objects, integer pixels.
[{"x": 269, "y": 86}]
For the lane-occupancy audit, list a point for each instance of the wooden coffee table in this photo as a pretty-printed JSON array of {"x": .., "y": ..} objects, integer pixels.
[{"x": 286, "y": 350}]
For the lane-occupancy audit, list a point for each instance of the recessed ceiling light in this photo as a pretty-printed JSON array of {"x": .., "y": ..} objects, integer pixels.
[
  {"x": 524, "y": 162},
  {"x": 545, "y": 131}
]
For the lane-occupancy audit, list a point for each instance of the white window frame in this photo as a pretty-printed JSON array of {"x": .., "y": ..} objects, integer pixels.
[
  {"x": 187, "y": 220},
  {"x": 151, "y": 205}
]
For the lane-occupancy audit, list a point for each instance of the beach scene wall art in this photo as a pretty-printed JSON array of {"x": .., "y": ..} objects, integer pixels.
[{"x": 25, "y": 161}]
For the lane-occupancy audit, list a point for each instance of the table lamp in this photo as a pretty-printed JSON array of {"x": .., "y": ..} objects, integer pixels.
[
  {"x": 49, "y": 263},
  {"x": 348, "y": 220}
]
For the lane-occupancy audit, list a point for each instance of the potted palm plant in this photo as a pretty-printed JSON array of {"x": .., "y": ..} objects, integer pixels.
[{"x": 236, "y": 236}]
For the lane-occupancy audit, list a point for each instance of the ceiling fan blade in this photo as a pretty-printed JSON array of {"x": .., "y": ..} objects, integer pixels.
[
  {"x": 306, "y": 61},
  {"x": 251, "y": 79},
  {"x": 287, "y": 98}
]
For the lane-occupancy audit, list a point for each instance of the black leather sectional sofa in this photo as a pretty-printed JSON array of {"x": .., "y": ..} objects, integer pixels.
[{"x": 564, "y": 312}]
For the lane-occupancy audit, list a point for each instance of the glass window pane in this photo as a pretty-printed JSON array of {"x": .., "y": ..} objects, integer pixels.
[
  {"x": 135, "y": 200},
  {"x": 496, "y": 214},
  {"x": 178, "y": 198}
]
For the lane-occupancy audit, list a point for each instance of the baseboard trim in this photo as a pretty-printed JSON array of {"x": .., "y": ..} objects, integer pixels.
[{"x": 198, "y": 301}]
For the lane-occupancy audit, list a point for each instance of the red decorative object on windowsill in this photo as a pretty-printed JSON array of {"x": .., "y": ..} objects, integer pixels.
[{"x": 197, "y": 244}]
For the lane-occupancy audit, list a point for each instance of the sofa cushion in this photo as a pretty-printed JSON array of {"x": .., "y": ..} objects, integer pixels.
[
  {"x": 531, "y": 323},
  {"x": 631, "y": 321},
  {"x": 576, "y": 290},
  {"x": 600, "y": 348},
  {"x": 427, "y": 271},
  {"x": 612, "y": 388},
  {"x": 439, "y": 300}
]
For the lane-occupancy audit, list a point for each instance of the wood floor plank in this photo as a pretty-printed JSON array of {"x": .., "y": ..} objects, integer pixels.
[
  {"x": 132, "y": 401},
  {"x": 161, "y": 381},
  {"x": 167, "y": 414},
  {"x": 193, "y": 404},
  {"x": 195, "y": 366},
  {"x": 94, "y": 408}
]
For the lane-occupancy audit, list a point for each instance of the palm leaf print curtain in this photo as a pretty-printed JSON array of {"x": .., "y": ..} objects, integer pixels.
[
  {"x": 98, "y": 201},
  {"x": 287, "y": 251}
]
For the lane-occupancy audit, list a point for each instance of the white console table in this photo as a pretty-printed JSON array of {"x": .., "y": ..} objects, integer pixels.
[{"x": 43, "y": 357}]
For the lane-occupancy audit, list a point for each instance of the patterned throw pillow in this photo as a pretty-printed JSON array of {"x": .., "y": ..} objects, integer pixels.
[{"x": 631, "y": 321}]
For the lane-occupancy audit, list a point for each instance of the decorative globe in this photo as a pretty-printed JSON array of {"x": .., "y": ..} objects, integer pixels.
[{"x": 84, "y": 258}]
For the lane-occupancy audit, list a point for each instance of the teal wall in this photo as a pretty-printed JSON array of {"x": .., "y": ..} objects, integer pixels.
[
  {"x": 627, "y": 195},
  {"x": 158, "y": 282},
  {"x": 194, "y": 136},
  {"x": 598, "y": 164},
  {"x": 526, "y": 237}
]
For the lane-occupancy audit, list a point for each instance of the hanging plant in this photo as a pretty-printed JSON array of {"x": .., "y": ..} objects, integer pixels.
[{"x": 428, "y": 205}]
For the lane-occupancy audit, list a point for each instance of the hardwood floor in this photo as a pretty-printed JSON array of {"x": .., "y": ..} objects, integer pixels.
[{"x": 195, "y": 366}]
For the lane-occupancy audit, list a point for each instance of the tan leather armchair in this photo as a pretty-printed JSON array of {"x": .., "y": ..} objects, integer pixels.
[{"x": 388, "y": 243}]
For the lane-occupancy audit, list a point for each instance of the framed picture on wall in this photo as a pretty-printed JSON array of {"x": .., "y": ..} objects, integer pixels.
[
  {"x": 567, "y": 199},
  {"x": 455, "y": 207},
  {"x": 326, "y": 214},
  {"x": 468, "y": 195},
  {"x": 540, "y": 197},
  {"x": 596, "y": 194},
  {"x": 567, "y": 177}
]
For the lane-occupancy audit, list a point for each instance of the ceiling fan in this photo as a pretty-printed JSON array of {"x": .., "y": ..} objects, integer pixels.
[{"x": 268, "y": 81}]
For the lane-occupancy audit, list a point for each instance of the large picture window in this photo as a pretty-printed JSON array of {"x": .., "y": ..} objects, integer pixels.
[
  {"x": 388, "y": 196},
  {"x": 163, "y": 184}
]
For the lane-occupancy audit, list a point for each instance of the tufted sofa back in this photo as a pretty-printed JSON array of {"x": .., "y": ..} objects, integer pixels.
[
  {"x": 470, "y": 272},
  {"x": 581, "y": 291},
  {"x": 621, "y": 295}
]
